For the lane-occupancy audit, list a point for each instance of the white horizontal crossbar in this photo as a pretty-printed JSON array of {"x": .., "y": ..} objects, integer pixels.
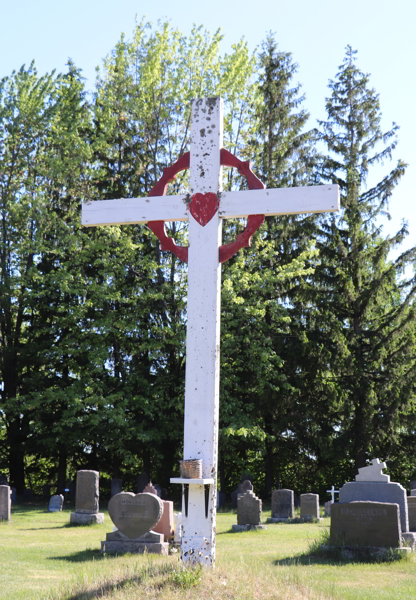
[
  {"x": 127, "y": 211},
  {"x": 281, "y": 201}
]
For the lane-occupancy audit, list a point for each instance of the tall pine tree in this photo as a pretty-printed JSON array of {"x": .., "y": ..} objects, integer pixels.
[{"x": 365, "y": 314}]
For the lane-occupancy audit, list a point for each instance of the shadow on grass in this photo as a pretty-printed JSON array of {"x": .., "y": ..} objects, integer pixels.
[
  {"x": 108, "y": 588},
  {"x": 83, "y": 556},
  {"x": 335, "y": 558}
]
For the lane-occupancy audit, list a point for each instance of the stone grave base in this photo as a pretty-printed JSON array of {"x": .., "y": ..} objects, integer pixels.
[
  {"x": 247, "y": 527},
  {"x": 366, "y": 552},
  {"x": 278, "y": 520},
  {"x": 86, "y": 518},
  {"x": 409, "y": 539},
  {"x": 307, "y": 520},
  {"x": 118, "y": 543}
]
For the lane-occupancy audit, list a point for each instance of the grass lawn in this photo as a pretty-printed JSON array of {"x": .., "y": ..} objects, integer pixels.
[{"x": 42, "y": 558}]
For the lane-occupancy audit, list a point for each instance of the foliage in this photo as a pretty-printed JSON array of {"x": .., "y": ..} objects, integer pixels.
[{"x": 317, "y": 365}]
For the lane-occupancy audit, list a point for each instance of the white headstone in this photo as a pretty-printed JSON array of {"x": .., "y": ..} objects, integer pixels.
[{"x": 373, "y": 472}]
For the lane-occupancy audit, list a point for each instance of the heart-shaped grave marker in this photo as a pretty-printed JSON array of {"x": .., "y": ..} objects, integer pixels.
[
  {"x": 203, "y": 207},
  {"x": 135, "y": 514}
]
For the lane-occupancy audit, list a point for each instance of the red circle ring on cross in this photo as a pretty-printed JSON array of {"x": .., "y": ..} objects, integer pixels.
[{"x": 253, "y": 222}]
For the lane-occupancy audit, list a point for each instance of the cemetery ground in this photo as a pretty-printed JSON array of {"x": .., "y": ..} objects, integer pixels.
[{"x": 43, "y": 558}]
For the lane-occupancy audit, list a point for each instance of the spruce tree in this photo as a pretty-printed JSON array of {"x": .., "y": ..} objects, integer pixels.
[
  {"x": 257, "y": 337},
  {"x": 364, "y": 315}
]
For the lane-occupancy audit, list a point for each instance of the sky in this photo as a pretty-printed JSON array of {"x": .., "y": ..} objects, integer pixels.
[{"x": 315, "y": 32}]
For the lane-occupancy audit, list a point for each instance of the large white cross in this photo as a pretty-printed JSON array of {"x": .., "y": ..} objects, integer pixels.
[{"x": 203, "y": 306}]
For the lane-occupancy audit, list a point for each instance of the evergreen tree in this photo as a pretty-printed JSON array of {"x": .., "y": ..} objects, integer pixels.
[
  {"x": 258, "y": 323},
  {"x": 365, "y": 313}
]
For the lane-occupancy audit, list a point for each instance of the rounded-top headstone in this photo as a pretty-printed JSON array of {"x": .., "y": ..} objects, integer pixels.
[{"x": 135, "y": 514}]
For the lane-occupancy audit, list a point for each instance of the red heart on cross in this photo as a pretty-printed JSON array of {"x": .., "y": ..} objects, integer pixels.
[{"x": 203, "y": 207}]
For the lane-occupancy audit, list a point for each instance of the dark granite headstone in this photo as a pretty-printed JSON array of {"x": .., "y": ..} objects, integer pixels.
[
  {"x": 411, "y": 505},
  {"x": 27, "y": 494},
  {"x": 141, "y": 482},
  {"x": 375, "y": 524},
  {"x": 14, "y": 495},
  {"x": 283, "y": 504},
  {"x": 116, "y": 486}
]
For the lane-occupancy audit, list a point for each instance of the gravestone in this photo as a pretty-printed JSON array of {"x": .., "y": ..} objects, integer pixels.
[
  {"x": 309, "y": 507},
  {"x": 372, "y": 485},
  {"x": 327, "y": 508},
  {"x": 241, "y": 488},
  {"x": 166, "y": 523},
  {"x": 411, "y": 505},
  {"x": 283, "y": 506},
  {"x": 141, "y": 482},
  {"x": 14, "y": 495},
  {"x": 135, "y": 516},
  {"x": 5, "y": 503},
  {"x": 375, "y": 524},
  {"x": 116, "y": 486},
  {"x": 27, "y": 495},
  {"x": 413, "y": 492},
  {"x": 248, "y": 512},
  {"x": 220, "y": 500},
  {"x": 87, "y": 499},
  {"x": 56, "y": 503},
  {"x": 413, "y": 485}
]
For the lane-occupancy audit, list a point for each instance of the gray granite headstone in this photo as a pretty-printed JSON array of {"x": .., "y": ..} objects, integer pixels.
[
  {"x": 411, "y": 504},
  {"x": 116, "y": 486},
  {"x": 87, "y": 494},
  {"x": 375, "y": 524},
  {"x": 5, "y": 503},
  {"x": 220, "y": 499},
  {"x": 327, "y": 508},
  {"x": 246, "y": 486},
  {"x": 413, "y": 485},
  {"x": 377, "y": 491},
  {"x": 309, "y": 506},
  {"x": 135, "y": 514},
  {"x": 283, "y": 506},
  {"x": 141, "y": 482},
  {"x": 413, "y": 492},
  {"x": 27, "y": 494},
  {"x": 248, "y": 509},
  {"x": 56, "y": 503}
]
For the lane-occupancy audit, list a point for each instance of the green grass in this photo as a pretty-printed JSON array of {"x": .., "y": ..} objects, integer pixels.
[{"x": 42, "y": 558}]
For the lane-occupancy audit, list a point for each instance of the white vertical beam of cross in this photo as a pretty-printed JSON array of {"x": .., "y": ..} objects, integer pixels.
[{"x": 204, "y": 284}]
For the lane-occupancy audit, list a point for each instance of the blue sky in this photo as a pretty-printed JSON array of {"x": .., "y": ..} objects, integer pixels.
[{"x": 316, "y": 34}]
